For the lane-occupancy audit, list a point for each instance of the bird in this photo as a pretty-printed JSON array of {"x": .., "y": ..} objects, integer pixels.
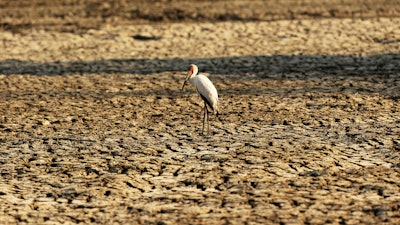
[{"x": 206, "y": 90}]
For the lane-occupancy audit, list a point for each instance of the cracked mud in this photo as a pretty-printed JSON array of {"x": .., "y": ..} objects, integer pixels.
[{"x": 94, "y": 127}]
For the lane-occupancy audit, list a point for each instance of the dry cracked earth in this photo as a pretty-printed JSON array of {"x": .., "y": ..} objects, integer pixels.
[{"x": 94, "y": 128}]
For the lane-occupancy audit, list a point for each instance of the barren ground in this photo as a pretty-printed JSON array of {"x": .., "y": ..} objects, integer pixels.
[{"x": 94, "y": 127}]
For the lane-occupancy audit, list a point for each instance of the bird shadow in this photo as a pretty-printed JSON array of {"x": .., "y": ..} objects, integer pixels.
[
  {"x": 385, "y": 67},
  {"x": 263, "y": 65}
]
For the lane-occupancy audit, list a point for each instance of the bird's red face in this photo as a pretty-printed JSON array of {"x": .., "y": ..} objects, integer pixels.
[
  {"x": 192, "y": 72},
  {"x": 191, "y": 69}
]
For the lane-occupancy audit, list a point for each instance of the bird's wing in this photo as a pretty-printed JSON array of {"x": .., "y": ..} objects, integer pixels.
[{"x": 207, "y": 91}]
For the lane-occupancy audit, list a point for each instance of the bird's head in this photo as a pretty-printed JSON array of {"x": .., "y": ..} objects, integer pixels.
[{"x": 193, "y": 70}]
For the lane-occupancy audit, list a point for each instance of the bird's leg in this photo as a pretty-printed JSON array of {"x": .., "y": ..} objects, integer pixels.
[
  {"x": 204, "y": 116},
  {"x": 208, "y": 122}
]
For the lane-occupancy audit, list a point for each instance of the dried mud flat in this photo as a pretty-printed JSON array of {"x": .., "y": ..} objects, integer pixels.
[{"x": 94, "y": 127}]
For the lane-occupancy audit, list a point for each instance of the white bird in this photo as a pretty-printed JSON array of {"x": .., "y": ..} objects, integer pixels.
[{"x": 206, "y": 90}]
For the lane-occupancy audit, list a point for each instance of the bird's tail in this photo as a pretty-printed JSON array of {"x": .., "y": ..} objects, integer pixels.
[
  {"x": 216, "y": 110},
  {"x": 217, "y": 115}
]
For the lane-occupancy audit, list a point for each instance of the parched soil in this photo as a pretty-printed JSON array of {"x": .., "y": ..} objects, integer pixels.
[
  {"x": 80, "y": 15},
  {"x": 95, "y": 129}
]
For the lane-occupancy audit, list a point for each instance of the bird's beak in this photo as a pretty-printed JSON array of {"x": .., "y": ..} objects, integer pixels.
[
  {"x": 187, "y": 78},
  {"x": 183, "y": 85}
]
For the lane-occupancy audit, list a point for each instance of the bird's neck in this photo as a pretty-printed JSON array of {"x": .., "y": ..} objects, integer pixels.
[
  {"x": 192, "y": 79},
  {"x": 192, "y": 76}
]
